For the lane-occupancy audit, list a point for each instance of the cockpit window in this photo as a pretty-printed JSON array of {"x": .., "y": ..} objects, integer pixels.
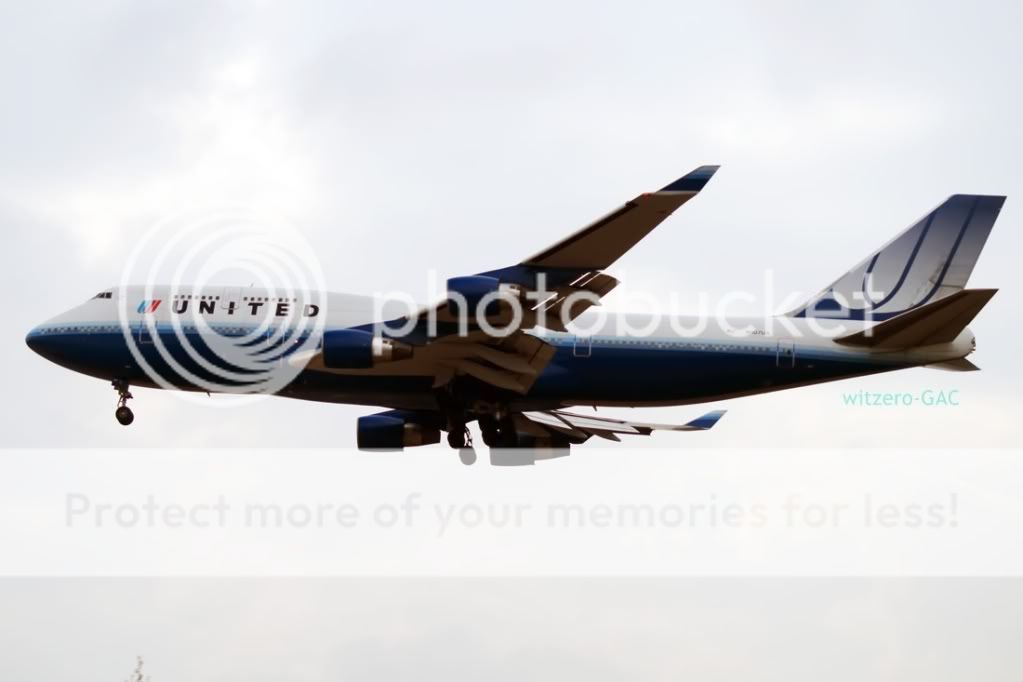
[{"x": 104, "y": 294}]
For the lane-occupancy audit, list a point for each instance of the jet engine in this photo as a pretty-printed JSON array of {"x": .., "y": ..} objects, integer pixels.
[
  {"x": 358, "y": 349},
  {"x": 393, "y": 431},
  {"x": 469, "y": 291}
]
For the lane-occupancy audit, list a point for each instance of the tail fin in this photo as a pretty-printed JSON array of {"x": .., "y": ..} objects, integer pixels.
[
  {"x": 936, "y": 322},
  {"x": 928, "y": 262}
]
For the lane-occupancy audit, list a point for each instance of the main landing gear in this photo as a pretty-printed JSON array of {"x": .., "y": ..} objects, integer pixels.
[
  {"x": 498, "y": 431},
  {"x": 123, "y": 413},
  {"x": 460, "y": 439}
]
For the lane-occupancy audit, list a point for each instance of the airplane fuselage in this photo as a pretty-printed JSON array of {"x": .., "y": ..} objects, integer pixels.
[{"x": 674, "y": 361}]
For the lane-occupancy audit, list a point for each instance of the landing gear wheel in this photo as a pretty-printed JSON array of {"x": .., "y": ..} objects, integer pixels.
[
  {"x": 489, "y": 430},
  {"x": 124, "y": 415},
  {"x": 456, "y": 438},
  {"x": 460, "y": 438},
  {"x": 507, "y": 437}
]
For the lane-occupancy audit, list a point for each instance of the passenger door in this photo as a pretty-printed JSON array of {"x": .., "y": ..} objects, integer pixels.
[{"x": 581, "y": 346}]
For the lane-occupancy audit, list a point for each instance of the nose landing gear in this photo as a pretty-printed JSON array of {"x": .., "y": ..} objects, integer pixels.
[{"x": 123, "y": 413}]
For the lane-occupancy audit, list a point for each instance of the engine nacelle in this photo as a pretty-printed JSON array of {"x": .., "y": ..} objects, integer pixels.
[
  {"x": 465, "y": 293},
  {"x": 386, "y": 432},
  {"x": 358, "y": 349}
]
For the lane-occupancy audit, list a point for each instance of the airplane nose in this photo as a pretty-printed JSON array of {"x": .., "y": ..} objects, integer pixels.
[
  {"x": 32, "y": 339},
  {"x": 42, "y": 343}
]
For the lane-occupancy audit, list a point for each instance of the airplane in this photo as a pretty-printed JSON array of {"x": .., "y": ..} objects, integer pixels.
[{"x": 448, "y": 365}]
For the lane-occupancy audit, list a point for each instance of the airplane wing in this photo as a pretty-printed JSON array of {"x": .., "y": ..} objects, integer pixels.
[
  {"x": 601, "y": 243},
  {"x": 550, "y": 286},
  {"x": 547, "y": 435},
  {"x": 511, "y": 363},
  {"x": 575, "y": 263},
  {"x": 578, "y": 428},
  {"x": 540, "y": 435},
  {"x": 567, "y": 277}
]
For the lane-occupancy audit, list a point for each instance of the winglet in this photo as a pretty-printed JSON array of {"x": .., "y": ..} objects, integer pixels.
[
  {"x": 693, "y": 181},
  {"x": 705, "y": 422}
]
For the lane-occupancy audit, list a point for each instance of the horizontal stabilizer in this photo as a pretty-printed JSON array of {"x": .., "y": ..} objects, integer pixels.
[
  {"x": 937, "y": 322},
  {"x": 960, "y": 365}
]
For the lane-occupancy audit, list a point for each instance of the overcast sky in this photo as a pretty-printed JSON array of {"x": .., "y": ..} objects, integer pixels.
[{"x": 462, "y": 137}]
